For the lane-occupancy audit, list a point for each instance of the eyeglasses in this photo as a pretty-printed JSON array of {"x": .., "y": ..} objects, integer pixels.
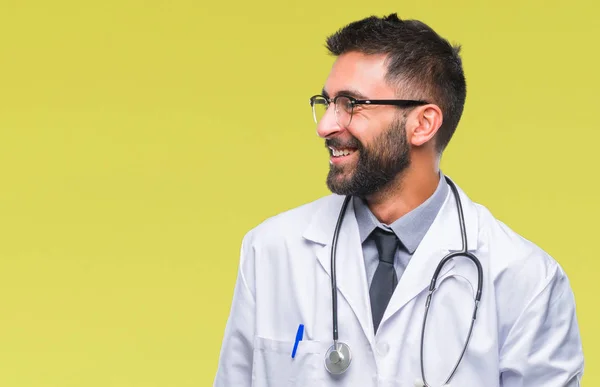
[{"x": 344, "y": 106}]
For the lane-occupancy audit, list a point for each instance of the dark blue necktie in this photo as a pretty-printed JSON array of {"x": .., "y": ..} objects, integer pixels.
[{"x": 385, "y": 279}]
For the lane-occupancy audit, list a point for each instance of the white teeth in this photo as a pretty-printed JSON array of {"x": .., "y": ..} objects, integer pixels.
[{"x": 342, "y": 152}]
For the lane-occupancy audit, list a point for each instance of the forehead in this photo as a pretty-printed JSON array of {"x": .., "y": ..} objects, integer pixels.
[{"x": 365, "y": 74}]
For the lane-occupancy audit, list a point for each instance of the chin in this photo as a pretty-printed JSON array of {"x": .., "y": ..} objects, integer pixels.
[{"x": 339, "y": 183}]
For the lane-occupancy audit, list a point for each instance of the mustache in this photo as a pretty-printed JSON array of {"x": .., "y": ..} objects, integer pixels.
[{"x": 338, "y": 143}]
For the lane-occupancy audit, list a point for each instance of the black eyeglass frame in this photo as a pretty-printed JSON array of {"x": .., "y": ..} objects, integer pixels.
[{"x": 355, "y": 101}]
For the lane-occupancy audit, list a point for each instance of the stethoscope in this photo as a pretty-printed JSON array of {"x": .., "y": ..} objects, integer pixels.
[{"x": 338, "y": 357}]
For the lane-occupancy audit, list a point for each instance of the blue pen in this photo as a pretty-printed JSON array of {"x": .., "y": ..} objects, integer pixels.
[{"x": 299, "y": 336}]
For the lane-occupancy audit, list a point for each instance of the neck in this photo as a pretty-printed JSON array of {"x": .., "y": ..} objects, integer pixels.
[{"x": 408, "y": 191}]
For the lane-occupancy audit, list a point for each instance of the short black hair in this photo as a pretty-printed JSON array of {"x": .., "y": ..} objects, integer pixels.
[{"x": 418, "y": 59}]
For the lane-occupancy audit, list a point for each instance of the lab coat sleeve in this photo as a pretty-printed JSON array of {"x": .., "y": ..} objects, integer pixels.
[
  {"x": 543, "y": 347},
  {"x": 235, "y": 359}
]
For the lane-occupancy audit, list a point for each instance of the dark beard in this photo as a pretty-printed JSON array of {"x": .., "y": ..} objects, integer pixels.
[{"x": 377, "y": 166}]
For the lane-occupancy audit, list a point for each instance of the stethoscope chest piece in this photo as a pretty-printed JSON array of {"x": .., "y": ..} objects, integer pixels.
[{"x": 338, "y": 358}]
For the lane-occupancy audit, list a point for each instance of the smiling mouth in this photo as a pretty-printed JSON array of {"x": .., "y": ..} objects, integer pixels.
[{"x": 341, "y": 152}]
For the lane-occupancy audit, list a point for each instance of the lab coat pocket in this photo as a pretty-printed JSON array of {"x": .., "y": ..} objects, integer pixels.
[{"x": 273, "y": 365}]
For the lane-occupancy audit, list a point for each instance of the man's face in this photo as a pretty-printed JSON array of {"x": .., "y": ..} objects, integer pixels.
[{"x": 372, "y": 150}]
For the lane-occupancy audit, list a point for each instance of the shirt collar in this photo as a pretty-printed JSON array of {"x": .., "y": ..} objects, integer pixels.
[{"x": 410, "y": 228}]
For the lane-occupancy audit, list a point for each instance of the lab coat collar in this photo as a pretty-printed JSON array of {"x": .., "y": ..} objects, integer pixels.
[
  {"x": 320, "y": 229},
  {"x": 442, "y": 238}
]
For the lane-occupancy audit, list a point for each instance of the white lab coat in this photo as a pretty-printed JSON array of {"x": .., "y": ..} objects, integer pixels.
[{"x": 526, "y": 333}]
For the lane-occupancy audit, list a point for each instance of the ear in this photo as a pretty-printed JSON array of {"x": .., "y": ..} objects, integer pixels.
[{"x": 425, "y": 122}]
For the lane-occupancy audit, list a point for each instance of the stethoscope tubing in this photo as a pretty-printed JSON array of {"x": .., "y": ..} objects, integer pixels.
[
  {"x": 464, "y": 253},
  {"x": 336, "y": 235}
]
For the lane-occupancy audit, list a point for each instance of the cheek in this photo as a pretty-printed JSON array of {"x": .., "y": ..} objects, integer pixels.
[
  {"x": 368, "y": 125},
  {"x": 365, "y": 131}
]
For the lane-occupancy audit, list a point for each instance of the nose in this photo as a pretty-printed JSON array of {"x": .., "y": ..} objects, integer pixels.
[{"x": 328, "y": 125}]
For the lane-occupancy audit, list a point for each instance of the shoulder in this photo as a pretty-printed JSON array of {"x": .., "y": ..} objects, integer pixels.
[
  {"x": 500, "y": 247},
  {"x": 523, "y": 273},
  {"x": 287, "y": 225},
  {"x": 509, "y": 250}
]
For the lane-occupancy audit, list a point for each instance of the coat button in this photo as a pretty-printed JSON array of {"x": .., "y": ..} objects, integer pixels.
[{"x": 383, "y": 348}]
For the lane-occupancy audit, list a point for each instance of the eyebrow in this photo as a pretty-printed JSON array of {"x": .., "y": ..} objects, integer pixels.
[{"x": 349, "y": 92}]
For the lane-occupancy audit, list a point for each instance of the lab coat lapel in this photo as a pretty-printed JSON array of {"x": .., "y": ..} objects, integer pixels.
[
  {"x": 351, "y": 278},
  {"x": 443, "y": 237}
]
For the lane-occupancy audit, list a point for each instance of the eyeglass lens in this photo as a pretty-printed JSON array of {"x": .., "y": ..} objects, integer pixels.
[{"x": 343, "y": 110}]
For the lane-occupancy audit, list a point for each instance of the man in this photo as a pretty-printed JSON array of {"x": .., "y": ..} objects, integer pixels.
[{"x": 388, "y": 109}]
